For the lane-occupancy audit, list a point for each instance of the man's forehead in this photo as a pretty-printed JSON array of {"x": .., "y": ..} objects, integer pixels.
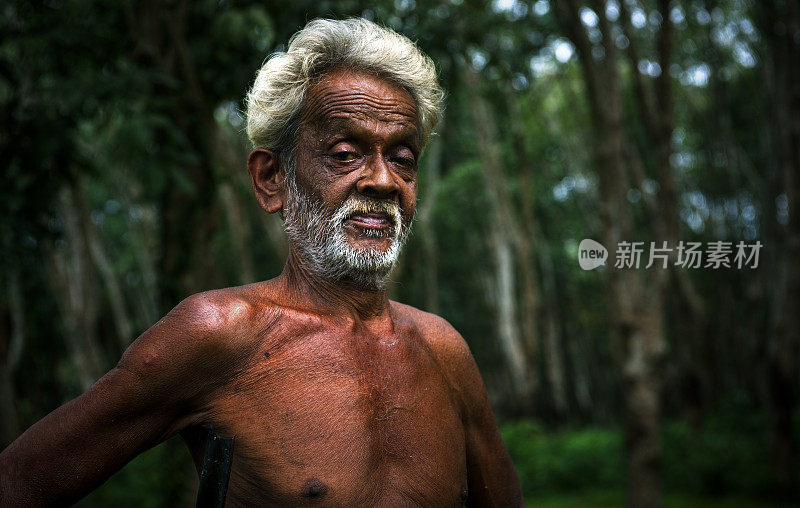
[{"x": 346, "y": 94}]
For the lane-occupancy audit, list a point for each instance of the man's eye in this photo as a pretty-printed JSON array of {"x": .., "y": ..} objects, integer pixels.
[
  {"x": 406, "y": 162},
  {"x": 345, "y": 156}
]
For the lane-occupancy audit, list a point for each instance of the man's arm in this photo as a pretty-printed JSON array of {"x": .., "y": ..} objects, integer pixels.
[
  {"x": 491, "y": 475},
  {"x": 493, "y": 480},
  {"x": 154, "y": 392}
]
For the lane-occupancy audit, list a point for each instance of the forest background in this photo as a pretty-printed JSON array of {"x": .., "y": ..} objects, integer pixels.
[{"x": 124, "y": 190}]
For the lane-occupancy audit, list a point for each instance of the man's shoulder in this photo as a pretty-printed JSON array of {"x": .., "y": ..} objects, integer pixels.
[
  {"x": 218, "y": 311},
  {"x": 216, "y": 324},
  {"x": 429, "y": 324}
]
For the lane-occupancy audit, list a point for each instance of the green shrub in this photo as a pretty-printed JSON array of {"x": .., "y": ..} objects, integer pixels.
[
  {"x": 569, "y": 460},
  {"x": 727, "y": 456}
]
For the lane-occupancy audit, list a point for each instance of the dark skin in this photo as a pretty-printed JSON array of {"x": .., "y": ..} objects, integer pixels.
[{"x": 335, "y": 394}]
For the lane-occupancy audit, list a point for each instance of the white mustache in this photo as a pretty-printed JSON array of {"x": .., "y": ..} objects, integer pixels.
[{"x": 355, "y": 205}]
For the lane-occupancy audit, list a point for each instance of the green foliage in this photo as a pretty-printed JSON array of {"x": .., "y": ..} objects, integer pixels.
[
  {"x": 727, "y": 456},
  {"x": 616, "y": 498},
  {"x": 564, "y": 461}
]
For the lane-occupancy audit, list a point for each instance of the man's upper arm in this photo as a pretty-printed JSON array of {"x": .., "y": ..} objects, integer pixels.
[
  {"x": 491, "y": 475},
  {"x": 151, "y": 394}
]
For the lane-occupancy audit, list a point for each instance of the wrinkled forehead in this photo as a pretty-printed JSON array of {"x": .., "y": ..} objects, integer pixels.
[{"x": 350, "y": 95}]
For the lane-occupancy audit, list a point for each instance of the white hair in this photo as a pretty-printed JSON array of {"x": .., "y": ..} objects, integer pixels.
[{"x": 278, "y": 94}]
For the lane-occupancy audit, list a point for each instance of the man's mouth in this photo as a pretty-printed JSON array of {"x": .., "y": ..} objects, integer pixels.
[{"x": 372, "y": 220}]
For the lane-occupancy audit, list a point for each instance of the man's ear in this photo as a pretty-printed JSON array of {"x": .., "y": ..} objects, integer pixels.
[{"x": 264, "y": 168}]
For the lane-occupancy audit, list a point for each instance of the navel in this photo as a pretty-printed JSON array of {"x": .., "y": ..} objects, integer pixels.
[{"x": 313, "y": 488}]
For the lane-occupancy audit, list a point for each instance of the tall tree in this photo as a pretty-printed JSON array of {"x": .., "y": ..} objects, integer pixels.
[
  {"x": 780, "y": 24},
  {"x": 510, "y": 248},
  {"x": 636, "y": 303}
]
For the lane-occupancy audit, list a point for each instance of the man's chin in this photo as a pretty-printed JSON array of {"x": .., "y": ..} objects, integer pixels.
[
  {"x": 368, "y": 247},
  {"x": 364, "y": 277},
  {"x": 366, "y": 265}
]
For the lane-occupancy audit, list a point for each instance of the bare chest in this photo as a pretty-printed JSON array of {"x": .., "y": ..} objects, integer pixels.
[{"x": 343, "y": 419}]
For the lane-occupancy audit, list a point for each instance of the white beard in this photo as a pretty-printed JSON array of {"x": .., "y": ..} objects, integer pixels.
[{"x": 323, "y": 245}]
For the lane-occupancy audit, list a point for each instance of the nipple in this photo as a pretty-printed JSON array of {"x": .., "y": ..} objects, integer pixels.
[{"x": 314, "y": 489}]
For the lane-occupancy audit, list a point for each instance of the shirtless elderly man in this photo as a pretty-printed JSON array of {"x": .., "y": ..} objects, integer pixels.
[{"x": 335, "y": 394}]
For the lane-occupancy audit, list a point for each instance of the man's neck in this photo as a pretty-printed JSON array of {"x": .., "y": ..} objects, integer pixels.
[{"x": 323, "y": 295}]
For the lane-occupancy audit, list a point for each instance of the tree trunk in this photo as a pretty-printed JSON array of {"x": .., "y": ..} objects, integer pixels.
[
  {"x": 642, "y": 393},
  {"x": 145, "y": 242},
  {"x": 426, "y": 224},
  {"x": 507, "y": 330},
  {"x": 535, "y": 309},
  {"x": 507, "y": 240},
  {"x": 9, "y": 421},
  {"x": 635, "y": 306},
  {"x": 76, "y": 295},
  {"x": 240, "y": 234},
  {"x": 231, "y": 163},
  {"x": 97, "y": 254},
  {"x": 780, "y": 21},
  {"x": 188, "y": 203}
]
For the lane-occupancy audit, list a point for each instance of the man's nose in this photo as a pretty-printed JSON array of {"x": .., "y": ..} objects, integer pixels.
[{"x": 380, "y": 180}]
